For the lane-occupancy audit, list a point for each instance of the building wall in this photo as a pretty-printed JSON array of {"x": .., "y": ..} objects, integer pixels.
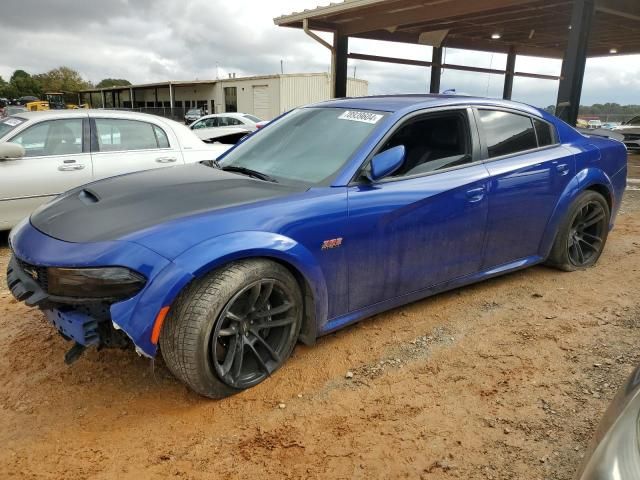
[
  {"x": 245, "y": 91},
  {"x": 357, "y": 87},
  {"x": 279, "y": 93},
  {"x": 298, "y": 90},
  {"x": 194, "y": 93}
]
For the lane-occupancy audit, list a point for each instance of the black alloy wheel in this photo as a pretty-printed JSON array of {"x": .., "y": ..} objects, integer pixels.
[
  {"x": 252, "y": 334},
  {"x": 582, "y": 234},
  {"x": 233, "y": 328},
  {"x": 586, "y": 237}
]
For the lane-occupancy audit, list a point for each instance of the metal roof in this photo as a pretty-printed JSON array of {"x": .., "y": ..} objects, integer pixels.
[
  {"x": 186, "y": 83},
  {"x": 532, "y": 27}
]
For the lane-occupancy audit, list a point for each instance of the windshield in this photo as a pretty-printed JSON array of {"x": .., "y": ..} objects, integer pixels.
[
  {"x": 308, "y": 145},
  {"x": 195, "y": 111},
  {"x": 9, "y": 123}
]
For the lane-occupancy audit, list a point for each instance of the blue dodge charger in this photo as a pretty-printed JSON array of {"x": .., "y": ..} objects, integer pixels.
[{"x": 330, "y": 214}]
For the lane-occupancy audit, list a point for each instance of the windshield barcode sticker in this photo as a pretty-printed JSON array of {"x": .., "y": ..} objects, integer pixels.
[
  {"x": 12, "y": 122},
  {"x": 366, "y": 117}
]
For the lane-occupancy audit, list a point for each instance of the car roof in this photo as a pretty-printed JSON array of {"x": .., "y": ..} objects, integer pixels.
[
  {"x": 227, "y": 114},
  {"x": 94, "y": 112},
  {"x": 397, "y": 103}
]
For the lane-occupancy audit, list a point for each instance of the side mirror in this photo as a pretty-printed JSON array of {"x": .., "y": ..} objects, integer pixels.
[
  {"x": 387, "y": 162},
  {"x": 10, "y": 150}
]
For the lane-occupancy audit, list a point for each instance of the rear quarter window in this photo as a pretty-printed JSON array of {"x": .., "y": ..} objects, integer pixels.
[{"x": 545, "y": 133}]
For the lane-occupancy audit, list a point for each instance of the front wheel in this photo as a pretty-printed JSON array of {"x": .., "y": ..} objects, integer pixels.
[
  {"x": 582, "y": 235},
  {"x": 233, "y": 328}
]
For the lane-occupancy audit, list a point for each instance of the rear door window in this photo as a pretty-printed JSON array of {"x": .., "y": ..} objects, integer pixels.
[
  {"x": 506, "y": 133},
  {"x": 116, "y": 135}
]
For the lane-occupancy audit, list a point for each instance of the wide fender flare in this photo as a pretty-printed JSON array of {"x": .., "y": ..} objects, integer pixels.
[
  {"x": 140, "y": 313},
  {"x": 584, "y": 180},
  {"x": 221, "y": 250}
]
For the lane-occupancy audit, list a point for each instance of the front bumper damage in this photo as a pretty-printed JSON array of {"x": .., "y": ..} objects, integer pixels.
[
  {"x": 85, "y": 322},
  {"x": 91, "y": 322}
]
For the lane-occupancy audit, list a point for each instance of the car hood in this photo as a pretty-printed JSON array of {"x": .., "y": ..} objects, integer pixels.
[
  {"x": 627, "y": 128},
  {"x": 112, "y": 208}
]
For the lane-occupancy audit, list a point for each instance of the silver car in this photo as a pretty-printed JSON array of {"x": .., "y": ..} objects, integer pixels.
[
  {"x": 615, "y": 449},
  {"x": 631, "y": 132},
  {"x": 49, "y": 152}
]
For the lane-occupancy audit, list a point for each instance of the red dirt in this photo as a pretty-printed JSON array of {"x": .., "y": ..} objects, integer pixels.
[{"x": 502, "y": 380}]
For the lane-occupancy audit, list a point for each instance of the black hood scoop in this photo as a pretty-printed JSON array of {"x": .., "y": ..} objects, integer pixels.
[{"x": 114, "y": 207}]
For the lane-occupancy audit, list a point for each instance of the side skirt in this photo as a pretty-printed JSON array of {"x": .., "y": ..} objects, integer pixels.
[{"x": 352, "y": 317}]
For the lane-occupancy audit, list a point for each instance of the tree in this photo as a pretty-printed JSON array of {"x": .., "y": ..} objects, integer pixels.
[
  {"x": 22, "y": 84},
  {"x": 62, "y": 79},
  {"x": 113, "y": 82}
]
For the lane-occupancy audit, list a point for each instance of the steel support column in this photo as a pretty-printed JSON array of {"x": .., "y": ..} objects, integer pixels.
[
  {"x": 132, "y": 99},
  {"x": 574, "y": 61},
  {"x": 509, "y": 74},
  {"x": 171, "y": 98},
  {"x": 102, "y": 96},
  {"x": 436, "y": 70},
  {"x": 339, "y": 66}
]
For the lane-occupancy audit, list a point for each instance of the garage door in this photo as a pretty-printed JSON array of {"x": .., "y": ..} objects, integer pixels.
[{"x": 261, "y": 102}]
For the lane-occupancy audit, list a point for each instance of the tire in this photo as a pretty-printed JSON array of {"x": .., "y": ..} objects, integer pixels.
[
  {"x": 582, "y": 234},
  {"x": 233, "y": 328}
]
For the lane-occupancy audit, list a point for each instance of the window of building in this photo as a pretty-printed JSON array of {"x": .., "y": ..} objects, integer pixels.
[
  {"x": 230, "y": 99},
  {"x": 507, "y": 133}
]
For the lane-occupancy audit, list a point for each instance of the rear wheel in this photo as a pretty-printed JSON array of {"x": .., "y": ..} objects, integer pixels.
[
  {"x": 583, "y": 234},
  {"x": 232, "y": 329}
]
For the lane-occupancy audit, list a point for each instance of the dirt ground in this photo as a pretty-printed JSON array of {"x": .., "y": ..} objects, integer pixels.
[{"x": 501, "y": 380}]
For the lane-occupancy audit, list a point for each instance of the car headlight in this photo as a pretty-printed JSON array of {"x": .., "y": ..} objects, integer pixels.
[
  {"x": 107, "y": 282},
  {"x": 615, "y": 450}
]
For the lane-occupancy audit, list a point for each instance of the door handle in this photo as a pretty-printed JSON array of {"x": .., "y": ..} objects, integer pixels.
[
  {"x": 70, "y": 167},
  {"x": 563, "y": 168},
  {"x": 476, "y": 194},
  {"x": 166, "y": 159}
]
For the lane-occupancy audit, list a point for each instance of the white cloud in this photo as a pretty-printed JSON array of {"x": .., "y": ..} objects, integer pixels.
[{"x": 153, "y": 40}]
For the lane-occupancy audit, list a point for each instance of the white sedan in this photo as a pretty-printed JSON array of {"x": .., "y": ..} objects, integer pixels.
[
  {"x": 224, "y": 127},
  {"x": 49, "y": 152},
  {"x": 631, "y": 132}
]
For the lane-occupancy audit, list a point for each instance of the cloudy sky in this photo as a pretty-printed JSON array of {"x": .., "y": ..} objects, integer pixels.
[{"x": 154, "y": 40}]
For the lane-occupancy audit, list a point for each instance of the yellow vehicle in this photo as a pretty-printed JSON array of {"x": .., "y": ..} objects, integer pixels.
[
  {"x": 37, "y": 105},
  {"x": 53, "y": 101}
]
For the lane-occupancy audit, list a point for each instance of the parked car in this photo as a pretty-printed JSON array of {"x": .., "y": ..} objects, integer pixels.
[
  {"x": 593, "y": 124},
  {"x": 194, "y": 114},
  {"x": 610, "y": 125},
  {"x": 12, "y": 110},
  {"x": 67, "y": 148},
  {"x": 631, "y": 132},
  {"x": 225, "y": 127},
  {"x": 333, "y": 213},
  {"x": 614, "y": 452}
]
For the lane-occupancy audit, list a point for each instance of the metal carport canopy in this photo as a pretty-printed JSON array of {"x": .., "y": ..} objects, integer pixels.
[{"x": 569, "y": 29}]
